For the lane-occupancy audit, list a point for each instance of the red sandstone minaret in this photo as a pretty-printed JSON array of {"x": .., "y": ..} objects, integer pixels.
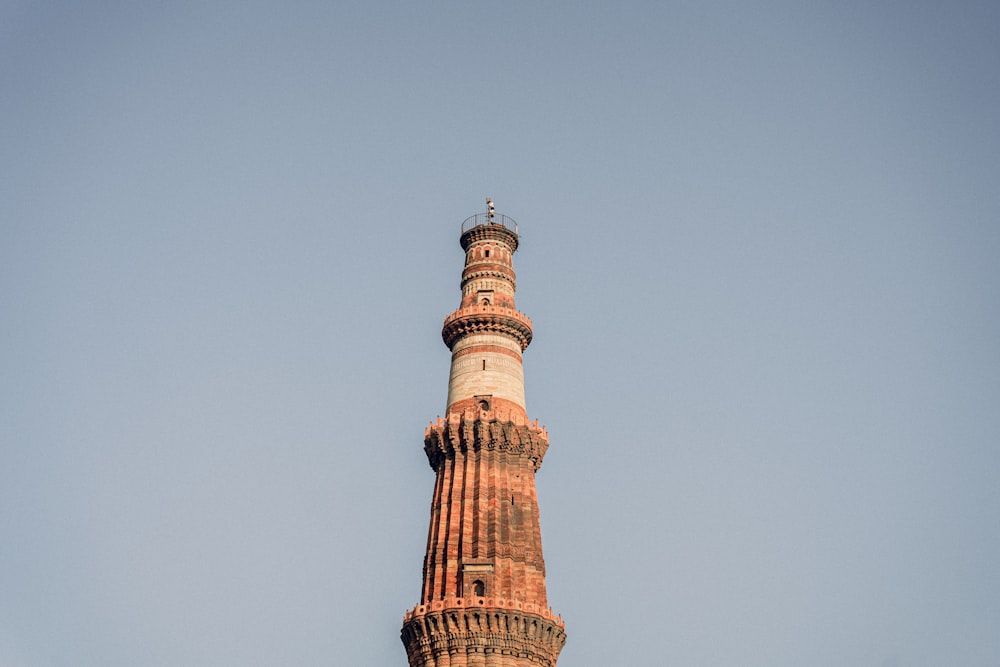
[{"x": 483, "y": 602}]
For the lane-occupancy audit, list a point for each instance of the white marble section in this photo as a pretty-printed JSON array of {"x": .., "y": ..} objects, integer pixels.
[{"x": 502, "y": 377}]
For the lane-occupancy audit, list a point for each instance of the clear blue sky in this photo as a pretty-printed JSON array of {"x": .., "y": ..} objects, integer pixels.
[{"x": 759, "y": 245}]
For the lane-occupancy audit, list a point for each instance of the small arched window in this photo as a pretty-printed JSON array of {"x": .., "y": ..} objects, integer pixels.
[{"x": 478, "y": 589}]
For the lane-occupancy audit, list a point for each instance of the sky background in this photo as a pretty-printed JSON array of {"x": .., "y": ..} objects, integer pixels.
[{"x": 759, "y": 244}]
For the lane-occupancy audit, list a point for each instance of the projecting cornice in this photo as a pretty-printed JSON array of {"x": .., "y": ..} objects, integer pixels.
[
  {"x": 471, "y": 432},
  {"x": 461, "y": 628},
  {"x": 487, "y": 319},
  {"x": 489, "y": 232},
  {"x": 497, "y": 272}
]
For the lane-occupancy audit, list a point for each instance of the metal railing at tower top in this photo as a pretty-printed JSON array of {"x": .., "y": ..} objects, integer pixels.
[{"x": 481, "y": 219}]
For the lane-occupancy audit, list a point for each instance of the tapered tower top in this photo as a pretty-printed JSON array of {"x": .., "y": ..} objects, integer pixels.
[{"x": 487, "y": 334}]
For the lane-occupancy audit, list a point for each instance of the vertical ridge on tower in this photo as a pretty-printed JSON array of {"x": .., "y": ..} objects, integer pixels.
[{"x": 483, "y": 601}]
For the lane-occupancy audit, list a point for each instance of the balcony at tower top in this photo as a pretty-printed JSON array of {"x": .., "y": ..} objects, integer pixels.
[
  {"x": 482, "y": 227},
  {"x": 484, "y": 219}
]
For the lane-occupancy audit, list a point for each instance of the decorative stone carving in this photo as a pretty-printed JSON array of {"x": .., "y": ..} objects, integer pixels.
[
  {"x": 487, "y": 636},
  {"x": 468, "y": 433}
]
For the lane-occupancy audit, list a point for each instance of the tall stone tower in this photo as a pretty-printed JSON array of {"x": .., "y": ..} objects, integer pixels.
[{"x": 483, "y": 602}]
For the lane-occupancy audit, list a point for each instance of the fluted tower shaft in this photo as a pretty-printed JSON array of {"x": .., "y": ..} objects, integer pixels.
[{"x": 483, "y": 601}]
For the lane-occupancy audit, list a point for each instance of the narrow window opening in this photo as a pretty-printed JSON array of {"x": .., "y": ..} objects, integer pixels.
[
  {"x": 484, "y": 364},
  {"x": 478, "y": 589},
  {"x": 487, "y": 253}
]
